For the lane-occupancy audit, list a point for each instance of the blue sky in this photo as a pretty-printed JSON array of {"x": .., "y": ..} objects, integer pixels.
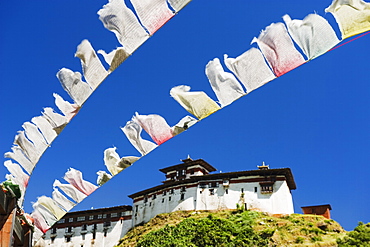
[{"x": 314, "y": 119}]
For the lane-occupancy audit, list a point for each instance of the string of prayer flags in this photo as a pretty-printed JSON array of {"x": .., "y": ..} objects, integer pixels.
[
  {"x": 314, "y": 35},
  {"x": 74, "y": 177},
  {"x": 35, "y": 138},
  {"x": 224, "y": 84},
  {"x": 30, "y": 144},
  {"x": 152, "y": 13},
  {"x": 196, "y": 103},
  {"x": 352, "y": 16},
  {"x": 70, "y": 191},
  {"x": 62, "y": 200},
  {"x": 132, "y": 130},
  {"x": 119, "y": 19},
  {"x": 250, "y": 68},
  {"x": 278, "y": 49}
]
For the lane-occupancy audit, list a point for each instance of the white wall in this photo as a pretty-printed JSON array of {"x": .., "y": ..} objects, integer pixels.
[
  {"x": 278, "y": 202},
  {"x": 115, "y": 232}
]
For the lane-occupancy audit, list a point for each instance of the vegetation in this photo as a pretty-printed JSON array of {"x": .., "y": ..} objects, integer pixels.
[
  {"x": 243, "y": 228},
  {"x": 360, "y": 236}
]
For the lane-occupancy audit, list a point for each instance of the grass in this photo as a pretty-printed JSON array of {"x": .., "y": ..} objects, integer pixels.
[{"x": 234, "y": 228}]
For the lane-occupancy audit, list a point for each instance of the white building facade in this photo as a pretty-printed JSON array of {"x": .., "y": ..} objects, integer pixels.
[
  {"x": 91, "y": 228},
  {"x": 190, "y": 186}
]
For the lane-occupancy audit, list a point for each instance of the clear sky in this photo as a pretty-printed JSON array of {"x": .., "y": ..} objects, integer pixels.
[{"x": 314, "y": 119}]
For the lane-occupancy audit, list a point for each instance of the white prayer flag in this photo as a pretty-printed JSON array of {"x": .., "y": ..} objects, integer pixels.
[
  {"x": 152, "y": 13},
  {"x": 132, "y": 131},
  {"x": 74, "y": 177},
  {"x": 119, "y": 19},
  {"x": 278, "y": 49},
  {"x": 196, "y": 103},
  {"x": 94, "y": 71},
  {"x": 72, "y": 82},
  {"x": 224, "y": 84},
  {"x": 314, "y": 35}
]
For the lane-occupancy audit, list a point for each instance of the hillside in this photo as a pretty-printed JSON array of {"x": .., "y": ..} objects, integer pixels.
[{"x": 239, "y": 228}]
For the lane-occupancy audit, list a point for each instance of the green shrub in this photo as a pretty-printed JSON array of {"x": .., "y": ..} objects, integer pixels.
[
  {"x": 360, "y": 236},
  {"x": 316, "y": 239},
  {"x": 299, "y": 240},
  {"x": 316, "y": 231}
]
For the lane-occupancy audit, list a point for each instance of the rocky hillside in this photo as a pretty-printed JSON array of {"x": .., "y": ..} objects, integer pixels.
[{"x": 242, "y": 228}]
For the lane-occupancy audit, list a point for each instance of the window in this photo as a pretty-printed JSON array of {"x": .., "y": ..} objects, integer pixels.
[
  {"x": 52, "y": 239},
  {"x": 100, "y": 216},
  {"x": 81, "y": 218},
  {"x": 183, "y": 189},
  {"x": 164, "y": 193},
  {"x": 211, "y": 192},
  {"x": 183, "y": 172},
  {"x": 150, "y": 204},
  {"x": 68, "y": 229},
  {"x": 162, "y": 200},
  {"x": 70, "y": 220},
  {"x": 267, "y": 188},
  {"x": 192, "y": 172},
  {"x": 113, "y": 215},
  {"x": 202, "y": 185},
  {"x": 182, "y": 197},
  {"x": 213, "y": 184},
  {"x": 227, "y": 191},
  {"x": 242, "y": 190},
  {"x": 68, "y": 239},
  {"x": 91, "y": 217},
  {"x": 61, "y": 221},
  {"x": 145, "y": 199},
  {"x": 169, "y": 198},
  {"x": 107, "y": 224},
  {"x": 154, "y": 196},
  {"x": 84, "y": 227},
  {"x": 255, "y": 189},
  {"x": 104, "y": 216},
  {"x": 172, "y": 191}
]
